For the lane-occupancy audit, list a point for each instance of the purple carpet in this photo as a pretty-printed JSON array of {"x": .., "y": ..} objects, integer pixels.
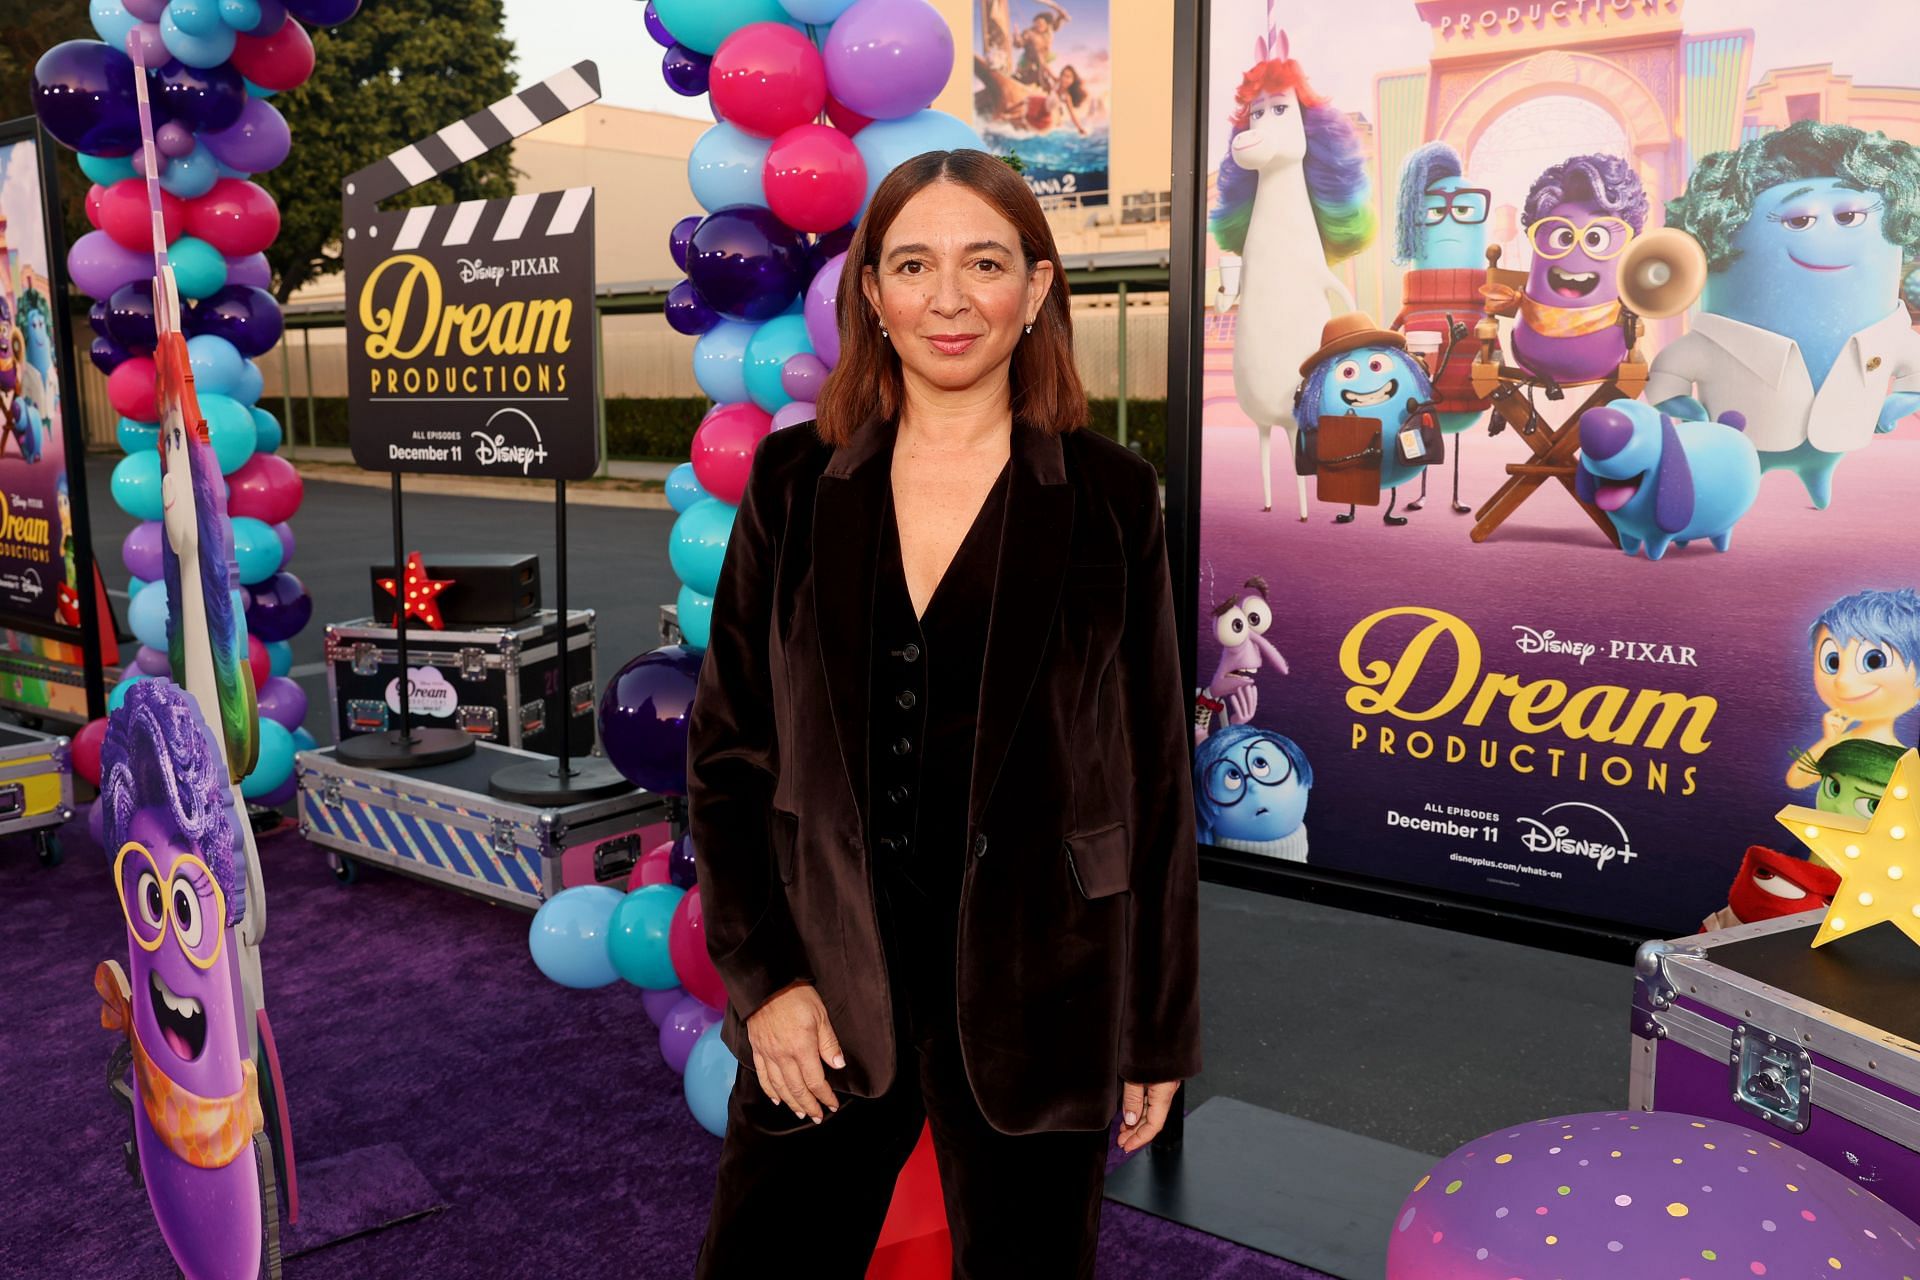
[{"x": 461, "y": 1114}]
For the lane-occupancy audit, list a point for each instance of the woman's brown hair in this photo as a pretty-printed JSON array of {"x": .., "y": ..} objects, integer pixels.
[{"x": 866, "y": 383}]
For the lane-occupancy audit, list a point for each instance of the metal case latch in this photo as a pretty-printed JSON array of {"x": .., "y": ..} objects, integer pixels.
[
  {"x": 504, "y": 844},
  {"x": 1772, "y": 1078},
  {"x": 330, "y": 793},
  {"x": 366, "y": 659},
  {"x": 473, "y": 663}
]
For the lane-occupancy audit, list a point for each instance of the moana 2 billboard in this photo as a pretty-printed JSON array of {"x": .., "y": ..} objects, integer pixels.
[{"x": 1601, "y": 310}]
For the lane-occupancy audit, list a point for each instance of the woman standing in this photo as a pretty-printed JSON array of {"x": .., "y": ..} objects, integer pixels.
[{"x": 938, "y": 773}]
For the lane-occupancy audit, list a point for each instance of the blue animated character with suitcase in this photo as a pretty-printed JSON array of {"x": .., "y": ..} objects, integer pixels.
[
  {"x": 1250, "y": 790},
  {"x": 1365, "y": 371}
]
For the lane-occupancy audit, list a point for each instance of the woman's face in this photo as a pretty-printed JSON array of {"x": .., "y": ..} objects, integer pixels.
[{"x": 952, "y": 289}]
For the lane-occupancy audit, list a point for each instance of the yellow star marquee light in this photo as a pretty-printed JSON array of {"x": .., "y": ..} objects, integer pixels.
[{"x": 1878, "y": 860}]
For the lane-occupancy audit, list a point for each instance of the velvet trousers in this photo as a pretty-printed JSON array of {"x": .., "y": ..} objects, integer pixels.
[{"x": 796, "y": 1198}]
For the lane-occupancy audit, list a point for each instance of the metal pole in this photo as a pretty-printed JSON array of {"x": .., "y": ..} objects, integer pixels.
[
  {"x": 560, "y": 604},
  {"x": 286, "y": 386},
  {"x": 306, "y": 345},
  {"x": 600, "y": 425},
  {"x": 1120, "y": 328},
  {"x": 400, "y": 615}
]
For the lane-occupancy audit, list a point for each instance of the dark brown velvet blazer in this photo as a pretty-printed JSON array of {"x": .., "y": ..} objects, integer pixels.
[{"x": 1078, "y": 960}]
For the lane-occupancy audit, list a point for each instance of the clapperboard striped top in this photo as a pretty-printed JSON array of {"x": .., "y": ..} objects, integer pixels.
[{"x": 545, "y": 213}]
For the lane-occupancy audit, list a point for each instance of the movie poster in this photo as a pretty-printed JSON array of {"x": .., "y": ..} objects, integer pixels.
[
  {"x": 38, "y": 578},
  {"x": 1041, "y": 80},
  {"x": 1558, "y": 451}
]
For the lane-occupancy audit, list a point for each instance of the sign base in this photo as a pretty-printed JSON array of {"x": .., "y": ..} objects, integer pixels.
[{"x": 404, "y": 749}]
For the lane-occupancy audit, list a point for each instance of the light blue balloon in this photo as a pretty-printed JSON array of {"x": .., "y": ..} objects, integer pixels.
[
  {"x": 772, "y": 345},
  {"x": 683, "y": 487},
  {"x": 275, "y": 764},
  {"x": 136, "y": 485},
  {"x": 886, "y": 144},
  {"x": 568, "y": 937},
  {"x": 304, "y": 741},
  {"x": 147, "y": 616},
  {"x": 216, "y": 364},
  {"x": 135, "y": 435},
  {"x": 719, "y": 360},
  {"x": 637, "y": 936},
  {"x": 118, "y": 694},
  {"x": 112, "y": 21},
  {"x": 726, "y": 166},
  {"x": 279, "y": 657},
  {"x": 196, "y": 49},
  {"x": 198, "y": 268},
  {"x": 256, "y": 549},
  {"x": 251, "y": 383},
  {"x": 708, "y": 1080},
  {"x": 698, "y": 543},
  {"x": 703, "y": 24},
  {"x": 267, "y": 436},
  {"x": 231, "y": 430},
  {"x": 106, "y": 170},
  {"x": 241, "y": 15},
  {"x": 694, "y": 609},
  {"x": 819, "y": 13},
  {"x": 193, "y": 174}
]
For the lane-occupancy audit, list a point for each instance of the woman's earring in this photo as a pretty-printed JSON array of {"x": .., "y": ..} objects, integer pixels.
[
  {"x": 1029, "y": 328},
  {"x": 883, "y": 331}
]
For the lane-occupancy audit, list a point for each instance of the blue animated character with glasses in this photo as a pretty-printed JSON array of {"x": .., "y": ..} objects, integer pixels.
[
  {"x": 1802, "y": 327},
  {"x": 1250, "y": 790}
]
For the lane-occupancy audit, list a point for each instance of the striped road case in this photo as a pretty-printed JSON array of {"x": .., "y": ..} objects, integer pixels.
[
  {"x": 36, "y": 787},
  {"x": 441, "y": 824},
  {"x": 1822, "y": 1046}
]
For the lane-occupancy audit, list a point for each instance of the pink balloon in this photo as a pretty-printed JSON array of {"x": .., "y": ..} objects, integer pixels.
[
  {"x": 280, "y": 60},
  {"x": 845, "y": 118},
  {"x": 792, "y": 414},
  {"x": 132, "y": 389},
  {"x": 767, "y": 78},
  {"x": 235, "y": 216},
  {"x": 687, "y": 944},
  {"x": 127, "y": 215},
  {"x": 723, "y": 448},
  {"x": 265, "y": 487},
  {"x": 654, "y": 867},
  {"x": 815, "y": 179},
  {"x": 823, "y": 325},
  {"x": 258, "y": 662},
  {"x": 94, "y": 193}
]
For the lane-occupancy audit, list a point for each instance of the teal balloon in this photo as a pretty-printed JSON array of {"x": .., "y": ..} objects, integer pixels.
[
  {"x": 727, "y": 166},
  {"x": 279, "y": 657},
  {"x": 198, "y": 268},
  {"x": 135, "y": 586},
  {"x": 147, "y": 615},
  {"x": 698, "y": 543},
  {"x": 772, "y": 345},
  {"x": 230, "y": 428},
  {"x": 112, "y": 22},
  {"x": 637, "y": 936},
  {"x": 683, "y": 487},
  {"x": 702, "y": 24},
  {"x": 275, "y": 765},
  {"x": 708, "y": 1080},
  {"x": 251, "y": 383},
  {"x": 216, "y": 365},
  {"x": 106, "y": 170},
  {"x": 196, "y": 49},
  {"x": 267, "y": 436},
  {"x": 257, "y": 91},
  {"x": 196, "y": 17},
  {"x": 136, "y": 485},
  {"x": 256, "y": 549},
  {"x": 694, "y": 610},
  {"x": 304, "y": 741},
  {"x": 886, "y": 144},
  {"x": 568, "y": 938},
  {"x": 135, "y": 435},
  {"x": 118, "y": 694},
  {"x": 241, "y": 15},
  {"x": 719, "y": 360}
]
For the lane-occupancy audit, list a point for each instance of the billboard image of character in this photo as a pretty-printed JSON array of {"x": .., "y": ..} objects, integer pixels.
[
  {"x": 1866, "y": 670},
  {"x": 1580, "y": 216},
  {"x": 1041, "y": 85}
]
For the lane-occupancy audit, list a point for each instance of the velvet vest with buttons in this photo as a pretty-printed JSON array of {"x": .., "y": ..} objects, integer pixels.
[{"x": 925, "y": 693}]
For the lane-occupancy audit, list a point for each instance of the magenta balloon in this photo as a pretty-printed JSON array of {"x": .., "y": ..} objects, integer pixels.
[
  {"x": 283, "y": 701},
  {"x": 143, "y": 551},
  {"x": 888, "y": 58},
  {"x": 98, "y": 264},
  {"x": 723, "y": 448},
  {"x": 254, "y": 143},
  {"x": 687, "y": 945},
  {"x": 802, "y": 376},
  {"x": 251, "y": 271},
  {"x": 823, "y": 326},
  {"x": 792, "y": 414}
]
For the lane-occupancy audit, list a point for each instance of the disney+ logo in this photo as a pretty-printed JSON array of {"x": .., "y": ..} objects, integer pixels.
[
  {"x": 1603, "y": 839},
  {"x": 496, "y": 450}
]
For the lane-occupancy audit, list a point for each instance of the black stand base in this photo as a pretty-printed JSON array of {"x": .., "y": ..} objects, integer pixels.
[
  {"x": 398, "y": 749},
  {"x": 540, "y": 782}
]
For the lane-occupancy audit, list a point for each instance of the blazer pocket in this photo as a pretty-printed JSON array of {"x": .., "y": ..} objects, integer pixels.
[
  {"x": 784, "y": 832},
  {"x": 1099, "y": 860}
]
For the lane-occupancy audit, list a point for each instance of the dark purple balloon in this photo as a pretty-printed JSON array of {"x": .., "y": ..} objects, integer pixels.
[
  {"x": 273, "y": 16},
  {"x": 153, "y": 661},
  {"x": 83, "y": 93},
  {"x": 747, "y": 264},
  {"x": 643, "y": 718},
  {"x": 323, "y": 13},
  {"x": 680, "y": 866},
  {"x": 280, "y": 608},
  {"x": 143, "y": 551},
  {"x": 243, "y": 314},
  {"x": 280, "y": 795},
  {"x": 282, "y": 701},
  {"x": 685, "y": 70},
  {"x": 678, "y": 238},
  {"x": 97, "y": 317},
  {"x": 201, "y": 98},
  {"x": 658, "y": 29},
  {"x": 284, "y": 532},
  {"x": 130, "y": 317},
  {"x": 252, "y": 269},
  {"x": 107, "y": 355},
  {"x": 686, "y": 313},
  {"x": 824, "y": 247}
]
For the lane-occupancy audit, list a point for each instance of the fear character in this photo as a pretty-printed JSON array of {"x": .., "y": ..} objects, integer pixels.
[
  {"x": 1772, "y": 884},
  {"x": 1250, "y": 787},
  {"x": 1865, "y": 669},
  {"x": 1802, "y": 328},
  {"x": 170, "y": 823},
  {"x": 1854, "y": 774},
  {"x": 1366, "y": 372},
  {"x": 1240, "y": 625}
]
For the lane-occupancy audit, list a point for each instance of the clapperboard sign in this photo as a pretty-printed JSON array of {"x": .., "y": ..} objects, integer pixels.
[{"x": 470, "y": 341}]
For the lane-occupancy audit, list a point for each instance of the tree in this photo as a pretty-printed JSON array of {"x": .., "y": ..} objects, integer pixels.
[{"x": 399, "y": 70}]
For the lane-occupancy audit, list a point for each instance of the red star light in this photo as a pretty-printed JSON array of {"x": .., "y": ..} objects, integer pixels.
[{"x": 422, "y": 592}]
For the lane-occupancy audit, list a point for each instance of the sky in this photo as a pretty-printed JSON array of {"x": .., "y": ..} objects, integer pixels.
[
  {"x": 20, "y": 203},
  {"x": 551, "y": 34}
]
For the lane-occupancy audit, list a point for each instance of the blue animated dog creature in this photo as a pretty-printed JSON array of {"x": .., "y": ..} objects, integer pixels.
[
  {"x": 1663, "y": 482},
  {"x": 1250, "y": 791}
]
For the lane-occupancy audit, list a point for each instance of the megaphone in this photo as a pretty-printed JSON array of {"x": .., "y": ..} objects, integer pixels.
[{"x": 1662, "y": 272}]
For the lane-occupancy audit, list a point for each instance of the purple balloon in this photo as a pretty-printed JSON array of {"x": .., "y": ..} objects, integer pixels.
[
  {"x": 643, "y": 718},
  {"x": 284, "y": 532},
  {"x": 888, "y": 58},
  {"x": 823, "y": 324},
  {"x": 282, "y": 794},
  {"x": 280, "y": 608},
  {"x": 681, "y": 1027},
  {"x": 143, "y": 551},
  {"x": 323, "y": 13},
  {"x": 803, "y": 375},
  {"x": 659, "y": 1004},
  {"x": 97, "y": 317},
  {"x": 243, "y": 314},
  {"x": 202, "y": 98},
  {"x": 685, "y": 71},
  {"x": 745, "y": 263},
  {"x": 97, "y": 823},
  {"x": 254, "y": 143},
  {"x": 250, "y": 270},
  {"x": 273, "y": 16},
  {"x": 145, "y": 10},
  {"x": 153, "y": 661},
  {"x": 83, "y": 93},
  {"x": 680, "y": 236},
  {"x": 680, "y": 863},
  {"x": 826, "y": 246},
  {"x": 130, "y": 315},
  {"x": 282, "y": 701},
  {"x": 107, "y": 355},
  {"x": 658, "y": 29},
  {"x": 99, "y": 264},
  {"x": 173, "y": 139},
  {"x": 792, "y": 414},
  {"x": 686, "y": 313},
  {"x": 146, "y": 46}
]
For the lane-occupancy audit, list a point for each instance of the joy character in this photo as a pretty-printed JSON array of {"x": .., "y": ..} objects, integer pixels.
[
  {"x": 1802, "y": 327},
  {"x": 170, "y": 825},
  {"x": 1663, "y": 482},
  {"x": 1250, "y": 787},
  {"x": 1364, "y": 371},
  {"x": 1441, "y": 233},
  {"x": 1854, "y": 774},
  {"x": 1771, "y": 884},
  {"x": 1240, "y": 624},
  {"x": 1865, "y": 648},
  {"x": 1293, "y": 198}
]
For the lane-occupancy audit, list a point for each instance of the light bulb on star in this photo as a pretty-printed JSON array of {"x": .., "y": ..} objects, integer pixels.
[
  {"x": 422, "y": 592},
  {"x": 1872, "y": 856}
]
